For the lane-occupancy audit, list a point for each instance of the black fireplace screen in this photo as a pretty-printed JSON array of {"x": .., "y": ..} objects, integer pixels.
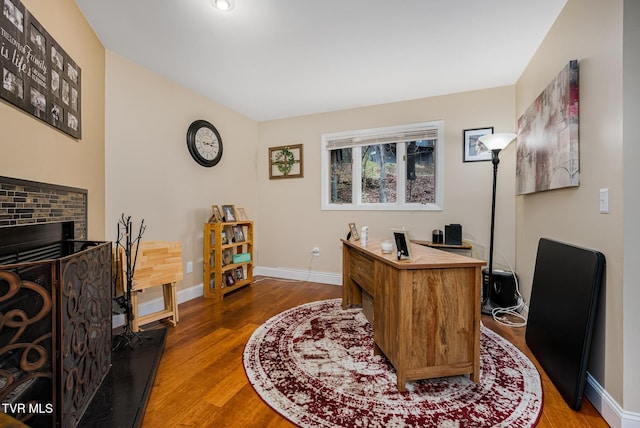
[{"x": 55, "y": 333}]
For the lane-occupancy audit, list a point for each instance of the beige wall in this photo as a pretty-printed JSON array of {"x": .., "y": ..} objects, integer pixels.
[
  {"x": 631, "y": 153},
  {"x": 289, "y": 209},
  {"x": 591, "y": 32},
  {"x": 150, "y": 173},
  {"x": 32, "y": 150}
]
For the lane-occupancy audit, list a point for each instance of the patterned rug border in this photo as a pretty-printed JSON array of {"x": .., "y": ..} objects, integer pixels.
[{"x": 531, "y": 398}]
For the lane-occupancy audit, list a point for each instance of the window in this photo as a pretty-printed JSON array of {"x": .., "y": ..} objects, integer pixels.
[{"x": 394, "y": 168}]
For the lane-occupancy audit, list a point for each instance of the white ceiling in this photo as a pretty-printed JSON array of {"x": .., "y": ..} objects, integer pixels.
[{"x": 270, "y": 59}]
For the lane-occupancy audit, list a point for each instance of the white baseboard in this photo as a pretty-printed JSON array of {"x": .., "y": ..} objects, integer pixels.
[
  {"x": 300, "y": 275},
  {"x": 156, "y": 305},
  {"x": 192, "y": 292},
  {"x": 610, "y": 410}
]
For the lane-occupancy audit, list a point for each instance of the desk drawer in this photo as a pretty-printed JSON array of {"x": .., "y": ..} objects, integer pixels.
[{"x": 361, "y": 269}]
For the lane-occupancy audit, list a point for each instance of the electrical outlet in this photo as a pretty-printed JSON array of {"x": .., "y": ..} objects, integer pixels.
[
  {"x": 316, "y": 251},
  {"x": 189, "y": 267}
]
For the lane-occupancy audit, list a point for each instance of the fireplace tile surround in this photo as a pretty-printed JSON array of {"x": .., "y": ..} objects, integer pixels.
[{"x": 31, "y": 202}]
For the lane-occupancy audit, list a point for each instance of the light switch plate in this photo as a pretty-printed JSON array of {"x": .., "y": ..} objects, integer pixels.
[{"x": 604, "y": 201}]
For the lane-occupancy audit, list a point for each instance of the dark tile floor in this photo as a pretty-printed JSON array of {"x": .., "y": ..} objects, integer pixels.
[{"x": 122, "y": 398}]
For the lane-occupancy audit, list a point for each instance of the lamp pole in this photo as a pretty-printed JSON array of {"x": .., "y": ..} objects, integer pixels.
[
  {"x": 495, "y": 160},
  {"x": 495, "y": 143}
]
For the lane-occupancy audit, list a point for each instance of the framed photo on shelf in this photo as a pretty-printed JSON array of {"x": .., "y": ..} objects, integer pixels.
[
  {"x": 242, "y": 215},
  {"x": 285, "y": 161},
  {"x": 227, "y": 257},
  {"x": 472, "y": 149},
  {"x": 239, "y": 274},
  {"x": 403, "y": 244},
  {"x": 238, "y": 234},
  {"x": 229, "y": 212},
  {"x": 216, "y": 215},
  {"x": 353, "y": 232},
  {"x": 229, "y": 234},
  {"x": 229, "y": 280}
]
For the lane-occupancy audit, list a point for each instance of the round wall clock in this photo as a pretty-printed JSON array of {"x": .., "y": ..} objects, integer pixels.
[{"x": 204, "y": 143}]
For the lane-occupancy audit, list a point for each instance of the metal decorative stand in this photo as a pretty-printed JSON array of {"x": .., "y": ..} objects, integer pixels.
[{"x": 128, "y": 245}]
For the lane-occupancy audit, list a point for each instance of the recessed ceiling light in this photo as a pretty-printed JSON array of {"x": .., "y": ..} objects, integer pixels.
[{"x": 223, "y": 5}]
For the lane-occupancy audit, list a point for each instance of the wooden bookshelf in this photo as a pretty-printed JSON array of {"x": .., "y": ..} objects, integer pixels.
[{"x": 224, "y": 242}]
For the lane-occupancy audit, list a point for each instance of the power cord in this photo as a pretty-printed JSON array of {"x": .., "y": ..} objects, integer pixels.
[{"x": 311, "y": 256}]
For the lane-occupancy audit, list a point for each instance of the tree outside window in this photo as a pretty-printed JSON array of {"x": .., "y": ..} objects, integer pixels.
[{"x": 392, "y": 168}]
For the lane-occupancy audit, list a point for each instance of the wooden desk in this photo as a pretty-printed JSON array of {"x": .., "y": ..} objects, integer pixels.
[
  {"x": 426, "y": 312},
  {"x": 462, "y": 249}
]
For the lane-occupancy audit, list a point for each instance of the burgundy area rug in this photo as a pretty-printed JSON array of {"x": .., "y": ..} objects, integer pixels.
[{"x": 315, "y": 366}]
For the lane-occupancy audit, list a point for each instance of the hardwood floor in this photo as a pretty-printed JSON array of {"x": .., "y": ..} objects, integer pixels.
[{"x": 201, "y": 380}]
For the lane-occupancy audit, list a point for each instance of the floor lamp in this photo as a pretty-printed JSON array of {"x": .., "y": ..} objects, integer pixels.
[{"x": 495, "y": 143}]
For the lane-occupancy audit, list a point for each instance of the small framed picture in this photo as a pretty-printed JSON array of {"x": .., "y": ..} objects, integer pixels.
[
  {"x": 242, "y": 215},
  {"x": 238, "y": 234},
  {"x": 353, "y": 232},
  {"x": 472, "y": 149},
  {"x": 229, "y": 212},
  {"x": 239, "y": 274},
  {"x": 227, "y": 257},
  {"x": 229, "y": 279},
  {"x": 216, "y": 215},
  {"x": 403, "y": 244},
  {"x": 229, "y": 234}
]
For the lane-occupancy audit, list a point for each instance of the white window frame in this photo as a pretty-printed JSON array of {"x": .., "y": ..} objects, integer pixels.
[{"x": 368, "y": 135}]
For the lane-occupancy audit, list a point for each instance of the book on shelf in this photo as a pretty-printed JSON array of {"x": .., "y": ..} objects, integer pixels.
[{"x": 241, "y": 258}]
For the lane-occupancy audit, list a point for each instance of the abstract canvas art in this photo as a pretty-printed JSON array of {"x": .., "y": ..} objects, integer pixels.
[{"x": 548, "y": 144}]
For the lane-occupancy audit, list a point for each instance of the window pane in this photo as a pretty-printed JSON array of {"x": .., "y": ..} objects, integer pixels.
[
  {"x": 421, "y": 172},
  {"x": 379, "y": 173},
  {"x": 391, "y": 168},
  {"x": 341, "y": 180}
]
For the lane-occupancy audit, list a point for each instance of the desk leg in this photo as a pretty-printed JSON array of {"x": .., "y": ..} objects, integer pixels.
[
  {"x": 402, "y": 380},
  {"x": 402, "y": 377},
  {"x": 475, "y": 374},
  {"x": 345, "y": 294}
]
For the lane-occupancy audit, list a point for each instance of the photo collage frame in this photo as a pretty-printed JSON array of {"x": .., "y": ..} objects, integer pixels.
[{"x": 37, "y": 74}]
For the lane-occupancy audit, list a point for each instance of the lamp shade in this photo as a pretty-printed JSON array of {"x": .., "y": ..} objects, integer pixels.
[{"x": 497, "y": 141}]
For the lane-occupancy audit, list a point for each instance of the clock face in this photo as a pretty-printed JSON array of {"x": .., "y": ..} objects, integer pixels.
[{"x": 205, "y": 143}]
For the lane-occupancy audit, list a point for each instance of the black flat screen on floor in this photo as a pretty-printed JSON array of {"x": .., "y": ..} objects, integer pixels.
[{"x": 564, "y": 296}]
